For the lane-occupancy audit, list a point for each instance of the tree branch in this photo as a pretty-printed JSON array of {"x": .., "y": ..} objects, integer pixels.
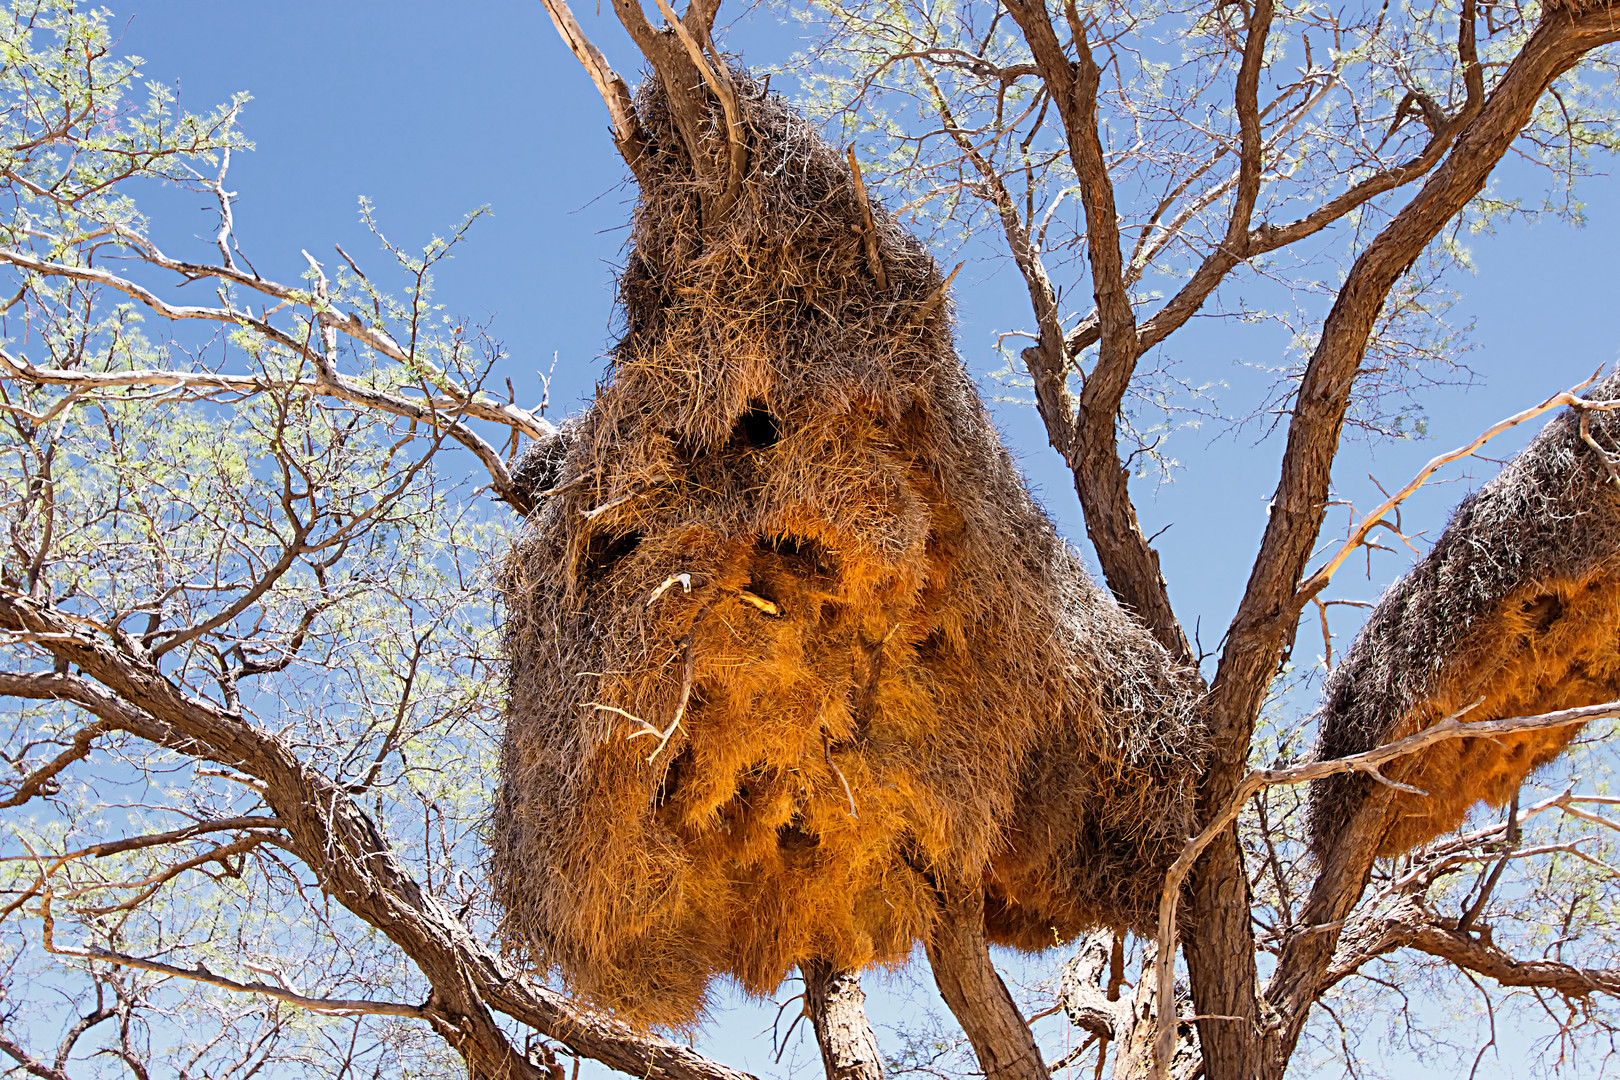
[
  {"x": 200, "y": 973},
  {"x": 968, "y": 982},
  {"x": 344, "y": 850},
  {"x": 837, "y": 1009},
  {"x": 627, "y": 133},
  {"x": 438, "y": 412},
  {"x": 1452, "y": 727},
  {"x": 1268, "y": 615},
  {"x": 1358, "y": 535},
  {"x": 1129, "y": 562},
  {"x": 1409, "y": 924}
]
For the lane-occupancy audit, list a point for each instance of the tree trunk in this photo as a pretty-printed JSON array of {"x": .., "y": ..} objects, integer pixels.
[
  {"x": 1220, "y": 963},
  {"x": 837, "y": 1007},
  {"x": 976, "y": 995}
]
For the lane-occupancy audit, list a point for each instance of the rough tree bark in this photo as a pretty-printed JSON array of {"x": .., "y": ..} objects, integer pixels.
[
  {"x": 837, "y": 1007},
  {"x": 967, "y": 980}
]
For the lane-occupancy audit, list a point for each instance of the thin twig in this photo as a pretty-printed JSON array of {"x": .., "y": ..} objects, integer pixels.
[{"x": 1358, "y": 536}]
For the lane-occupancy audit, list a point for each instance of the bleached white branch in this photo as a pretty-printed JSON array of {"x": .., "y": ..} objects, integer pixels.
[{"x": 1358, "y": 535}]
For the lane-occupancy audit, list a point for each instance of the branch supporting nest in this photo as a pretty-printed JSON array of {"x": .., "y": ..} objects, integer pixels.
[
  {"x": 933, "y": 300},
  {"x": 1358, "y": 535},
  {"x": 627, "y": 133},
  {"x": 1452, "y": 727},
  {"x": 720, "y": 84},
  {"x": 826, "y": 750}
]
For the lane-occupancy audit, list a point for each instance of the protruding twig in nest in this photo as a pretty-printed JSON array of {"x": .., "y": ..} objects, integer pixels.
[
  {"x": 1608, "y": 459},
  {"x": 874, "y": 261},
  {"x": 1372, "y": 771},
  {"x": 759, "y": 602},
  {"x": 632, "y": 717},
  {"x": 937, "y": 297},
  {"x": 683, "y": 580},
  {"x": 618, "y": 500},
  {"x": 826, "y": 750},
  {"x": 680, "y": 708}
]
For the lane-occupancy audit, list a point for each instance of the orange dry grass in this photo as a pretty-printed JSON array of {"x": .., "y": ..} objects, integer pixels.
[{"x": 1552, "y": 646}]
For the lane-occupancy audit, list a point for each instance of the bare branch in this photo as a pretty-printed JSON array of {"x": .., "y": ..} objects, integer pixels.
[
  {"x": 1358, "y": 535},
  {"x": 438, "y": 412},
  {"x": 1452, "y": 727},
  {"x": 341, "y": 846},
  {"x": 200, "y": 973},
  {"x": 627, "y": 133}
]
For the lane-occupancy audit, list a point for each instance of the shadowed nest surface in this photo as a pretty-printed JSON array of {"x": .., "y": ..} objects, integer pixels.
[
  {"x": 1519, "y": 604},
  {"x": 787, "y": 534}
]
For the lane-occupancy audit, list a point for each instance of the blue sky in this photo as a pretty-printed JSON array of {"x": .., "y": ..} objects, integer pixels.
[{"x": 432, "y": 110}]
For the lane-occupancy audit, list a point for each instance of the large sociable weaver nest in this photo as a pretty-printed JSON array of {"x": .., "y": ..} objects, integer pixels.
[{"x": 791, "y": 646}]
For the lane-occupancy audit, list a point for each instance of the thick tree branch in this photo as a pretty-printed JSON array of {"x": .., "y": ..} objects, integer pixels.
[
  {"x": 718, "y": 79},
  {"x": 1409, "y": 924},
  {"x": 837, "y": 1008},
  {"x": 1452, "y": 727},
  {"x": 1088, "y": 1006},
  {"x": 1129, "y": 563},
  {"x": 1474, "y": 953},
  {"x": 683, "y": 83},
  {"x": 968, "y": 982},
  {"x": 1269, "y": 612},
  {"x": 627, "y": 133}
]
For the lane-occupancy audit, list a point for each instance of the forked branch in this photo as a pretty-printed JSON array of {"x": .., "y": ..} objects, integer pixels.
[
  {"x": 1452, "y": 727},
  {"x": 348, "y": 856},
  {"x": 1358, "y": 535}
]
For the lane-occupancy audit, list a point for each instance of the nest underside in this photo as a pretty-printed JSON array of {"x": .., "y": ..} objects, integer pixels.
[
  {"x": 787, "y": 535},
  {"x": 1517, "y": 608}
]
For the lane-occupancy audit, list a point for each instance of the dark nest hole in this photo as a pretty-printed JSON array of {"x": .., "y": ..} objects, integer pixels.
[
  {"x": 756, "y": 428},
  {"x": 606, "y": 550}
]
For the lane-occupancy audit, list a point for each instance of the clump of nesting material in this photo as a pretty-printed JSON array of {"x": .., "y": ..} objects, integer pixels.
[
  {"x": 786, "y": 633},
  {"x": 1516, "y": 607}
]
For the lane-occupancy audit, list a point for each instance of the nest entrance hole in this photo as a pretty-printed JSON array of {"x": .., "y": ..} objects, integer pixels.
[
  {"x": 605, "y": 550},
  {"x": 799, "y": 554},
  {"x": 795, "y": 841},
  {"x": 756, "y": 428},
  {"x": 786, "y": 565},
  {"x": 1544, "y": 611}
]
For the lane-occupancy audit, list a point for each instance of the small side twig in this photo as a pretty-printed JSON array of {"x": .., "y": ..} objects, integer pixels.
[
  {"x": 683, "y": 580},
  {"x": 826, "y": 751},
  {"x": 874, "y": 261},
  {"x": 753, "y": 600},
  {"x": 931, "y": 303}
]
